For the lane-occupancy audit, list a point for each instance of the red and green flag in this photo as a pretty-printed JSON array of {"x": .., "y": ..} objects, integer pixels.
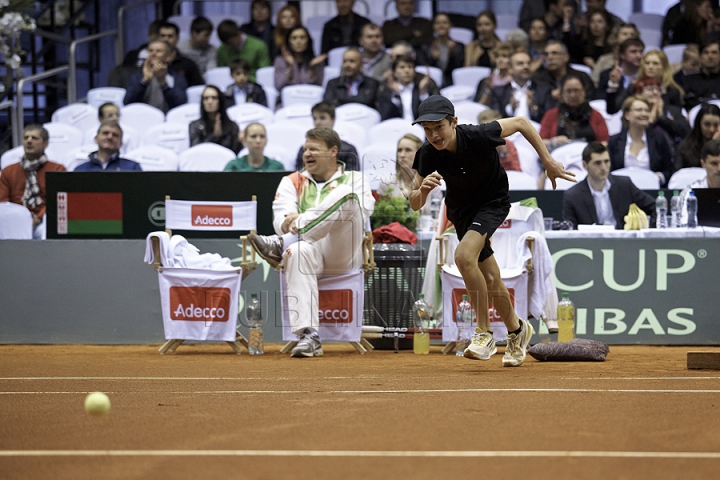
[{"x": 85, "y": 213}]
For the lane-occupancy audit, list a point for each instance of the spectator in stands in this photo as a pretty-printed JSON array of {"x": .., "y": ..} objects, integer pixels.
[
  {"x": 538, "y": 38},
  {"x": 237, "y": 44},
  {"x": 318, "y": 217},
  {"x": 214, "y": 125},
  {"x": 710, "y": 161},
  {"x": 183, "y": 66},
  {"x": 107, "y": 157},
  {"x": 255, "y": 161},
  {"x": 324, "y": 116},
  {"x": 136, "y": 57},
  {"x": 119, "y": 76},
  {"x": 197, "y": 48},
  {"x": 517, "y": 39},
  {"x": 401, "y": 48},
  {"x": 654, "y": 64},
  {"x": 573, "y": 119},
  {"x": 260, "y": 25},
  {"x": 549, "y": 10},
  {"x": 500, "y": 75},
  {"x": 243, "y": 90},
  {"x": 689, "y": 65},
  {"x": 157, "y": 84},
  {"x": 596, "y": 5},
  {"x": 602, "y": 198},
  {"x": 406, "y": 26},
  {"x": 352, "y": 86},
  {"x": 521, "y": 97},
  {"x": 376, "y": 61},
  {"x": 288, "y": 17},
  {"x": 705, "y": 128},
  {"x": 696, "y": 25},
  {"x": 594, "y": 40},
  {"x": 404, "y": 90},
  {"x": 23, "y": 183},
  {"x": 401, "y": 183},
  {"x": 672, "y": 16},
  {"x": 557, "y": 67},
  {"x": 508, "y": 154},
  {"x": 342, "y": 30},
  {"x": 110, "y": 112},
  {"x": 296, "y": 64},
  {"x": 640, "y": 145},
  {"x": 619, "y": 78},
  {"x": 442, "y": 52},
  {"x": 705, "y": 85},
  {"x": 477, "y": 52},
  {"x": 619, "y": 33},
  {"x": 663, "y": 115}
]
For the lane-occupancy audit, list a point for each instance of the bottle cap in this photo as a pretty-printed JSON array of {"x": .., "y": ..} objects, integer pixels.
[
  {"x": 661, "y": 193},
  {"x": 675, "y": 192},
  {"x": 464, "y": 296},
  {"x": 421, "y": 295},
  {"x": 253, "y": 295},
  {"x": 565, "y": 295}
]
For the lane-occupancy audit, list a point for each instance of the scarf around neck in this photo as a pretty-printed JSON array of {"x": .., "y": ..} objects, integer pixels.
[{"x": 31, "y": 198}]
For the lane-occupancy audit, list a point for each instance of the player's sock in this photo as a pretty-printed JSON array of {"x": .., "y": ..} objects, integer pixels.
[
  {"x": 517, "y": 332},
  {"x": 288, "y": 239}
]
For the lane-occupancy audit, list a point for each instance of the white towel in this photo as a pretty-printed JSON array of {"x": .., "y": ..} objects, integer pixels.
[
  {"x": 164, "y": 245},
  {"x": 542, "y": 273}
]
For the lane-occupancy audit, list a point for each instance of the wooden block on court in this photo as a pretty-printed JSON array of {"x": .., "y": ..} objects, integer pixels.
[{"x": 703, "y": 360}]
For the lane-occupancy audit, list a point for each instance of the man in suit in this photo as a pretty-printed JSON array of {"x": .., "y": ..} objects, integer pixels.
[
  {"x": 603, "y": 199},
  {"x": 343, "y": 30},
  {"x": 614, "y": 81},
  {"x": 352, "y": 86},
  {"x": 405, "y": 90},
  {"x": 521, "y": 97}
]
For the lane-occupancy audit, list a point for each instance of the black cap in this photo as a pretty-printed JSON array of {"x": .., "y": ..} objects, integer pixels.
[{"x": 434, "y": 108}]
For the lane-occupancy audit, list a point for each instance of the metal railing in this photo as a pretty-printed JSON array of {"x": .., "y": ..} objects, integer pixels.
[
  {"x": 19, "y": 123},
  {"x": 72, "y": 76},
  {"x": 11, "y": 105},
  {"x": 120, "y": 45}
]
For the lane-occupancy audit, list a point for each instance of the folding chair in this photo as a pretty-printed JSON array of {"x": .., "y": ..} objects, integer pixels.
[
  {"x": 201, "y": 303},
  {"x": 80, "y": 115}
]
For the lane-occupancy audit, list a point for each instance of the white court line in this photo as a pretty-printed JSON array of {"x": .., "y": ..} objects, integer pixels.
[{"x": 352, "y": 453}]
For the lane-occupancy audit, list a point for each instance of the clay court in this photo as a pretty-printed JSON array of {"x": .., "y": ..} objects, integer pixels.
[{"x": 205, "y": 412}]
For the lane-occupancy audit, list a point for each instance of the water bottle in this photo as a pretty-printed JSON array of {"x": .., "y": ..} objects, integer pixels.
[
  {"x": 566, "y": 319},
  {"x": 421, "y": 337},
  {"x": 256, "y": 345},
  {"x": 692, "y": 210},
  {"x": 675, "y": 209},
  {"x": 435, "y": 201},
  {"x": 464, "y": 322},
  {"x": 661, "y": 207}
]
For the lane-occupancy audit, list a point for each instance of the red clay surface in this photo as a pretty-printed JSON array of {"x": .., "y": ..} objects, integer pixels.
[{"x": 196, "y": 414}]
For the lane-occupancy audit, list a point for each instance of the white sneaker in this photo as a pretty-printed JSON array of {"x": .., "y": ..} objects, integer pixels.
[
  {"x": 516, "y": 349},
  {"x": 308, "y": 346},
  {"x": 482, "y": 346}
]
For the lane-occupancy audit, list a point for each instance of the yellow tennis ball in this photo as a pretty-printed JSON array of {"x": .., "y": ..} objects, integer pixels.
[{"x": 97, "y": 403}]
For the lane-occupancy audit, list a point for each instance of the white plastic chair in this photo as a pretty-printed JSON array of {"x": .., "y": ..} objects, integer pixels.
[
  {"x": 600, "y": 105},
  {"x": 393, "y": 129},
  {"x": 205, "y": 157},
  {"x": 14, "y": 155},
  {"x": 272, "y": 95},
  {"x": 77, "y": 156},
  {"x": 529, "y": 160},
  {"x": 265, "y": 76},
  {"x": 458, "y": 93},
  {"x": 247, "y": 113},
  {"x": 467, "y": 112},
  {"x": 521, "y": 180},
  {"x": 330, "y": 72},
  {"x": 692, "y": 114},
  {"x": 171, "y": 135},
  {"x": 300, "y": 113},
  {"x": 378, "y": 161},
  {"x": 335, "y": 56},
  {"x": 580, "y": 174},
  {"x": 80, "y": 115},
  {"x": 435, "y": 73},
  {"x": 142, "y": 116},
  {"x": 643, "y": 178},
  {"x": 353, "y": 134},
  {"x": 614, "y": 123},
  {"x": 506, "y": 21},
  {"x": 461, "y": 35},
  {"x": 581, "y": 68},
  {"x": 63, "y": 137},
  {"x": 646, "y": 21},
  {"x": 16, "y": 222},
  {"x": 470, "y": 76},
  {"x": 570, "y": 154},
  {"x": 184, "y": 114},
  {"x": 194, "y": 94},
  {"x": 101, "y": 95},
  {"x": 651, "y": 38},
  {"x": 358, "y": 113},
  {"x": 685, "y": 176},
  {"x": 674, "y": 53},
  {"x": 219, "y": 76},
  {"x": 287, "y": 134},
  {"x": 154, "y": 158},
  {"x": 293, "y": 94}
]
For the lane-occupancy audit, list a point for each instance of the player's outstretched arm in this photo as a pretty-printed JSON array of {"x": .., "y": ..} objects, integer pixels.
[
  {"x": 422, "y": 186},
  {"x": 553, "y": 168}
]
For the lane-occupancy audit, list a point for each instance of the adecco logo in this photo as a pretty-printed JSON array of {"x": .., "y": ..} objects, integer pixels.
[
  {"x": 506, "y": 224},
  {"x": 211, "y": 215},
  {"x": 336, "y": 306},
  {"x": 457, "y": 294},
  {"x": 200, "y": 304}
]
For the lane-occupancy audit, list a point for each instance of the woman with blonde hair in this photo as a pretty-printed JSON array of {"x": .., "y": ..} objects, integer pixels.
[
  {"x": 477, "y": 52},
  {"x": 400, "y": 184}
]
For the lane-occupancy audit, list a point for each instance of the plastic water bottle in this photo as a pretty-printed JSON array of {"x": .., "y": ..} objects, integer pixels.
[
  {"x": 464, "y": 322},
  {"x": 675, "y": 209},
  {"x": 256, "y": 345},
  {"x": 661, "y": 207},
  {"x": 566, "y": 319},
  {"x": 692, "y": 221},
  {"x": 421, "y": 337},
  {"x": 435, "y": 201}
]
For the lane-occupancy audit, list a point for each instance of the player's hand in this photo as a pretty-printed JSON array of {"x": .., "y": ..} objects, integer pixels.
[
  {"x": 289, "y": 224},
  {"x": 430, "y": 183},
  {"x": 555, "y": 169}
]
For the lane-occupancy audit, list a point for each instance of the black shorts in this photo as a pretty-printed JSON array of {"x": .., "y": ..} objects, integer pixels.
[{"x": 486, "y": 220}]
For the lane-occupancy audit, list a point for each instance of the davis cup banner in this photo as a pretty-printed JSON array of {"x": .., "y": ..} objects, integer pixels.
[
  {"x": 199, "y": 304},
  {"x": 187, "y": 215}
]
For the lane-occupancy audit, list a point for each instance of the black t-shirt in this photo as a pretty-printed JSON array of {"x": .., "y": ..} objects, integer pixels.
[{"x": 473, "y": 174}]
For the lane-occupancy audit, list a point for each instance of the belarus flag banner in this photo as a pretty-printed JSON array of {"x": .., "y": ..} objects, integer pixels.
[{"x": 89, "y": 213}]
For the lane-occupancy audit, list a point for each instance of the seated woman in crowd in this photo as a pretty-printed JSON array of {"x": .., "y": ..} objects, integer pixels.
[
  {"x": 619, "y": 33},
  {"x": 654, "y": 64},
  {"x": 639, "y": 144},
  {"x": 594, "y": 41},
  {"x": 538, "y": 37},
  {"x": 255, "y": 160},
  {"x": 296, "y": 65},
  {"x": 508, "y": 154},
  {"x": 573, "y": 119},
  {"x": 404, "y": 90},
  {"x": 214, "y": 125},
  {"x": 287, "y": 18},
  {"x": 499, "y": 76},
  {"x": 400, "y": 184},
  {"x": 443, "y": 52},
  {"x": 697, "y": 24},
  {"x": 667, "y": 117},
  {"x": 705, "y": 128},
  {"x": 477, "y": 52}
]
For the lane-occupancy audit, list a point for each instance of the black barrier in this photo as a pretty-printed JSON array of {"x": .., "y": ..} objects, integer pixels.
[{"x": 143, "y": 198}]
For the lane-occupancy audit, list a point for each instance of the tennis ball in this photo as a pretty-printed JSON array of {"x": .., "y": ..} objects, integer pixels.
[{"x": 97, "y": 403}]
